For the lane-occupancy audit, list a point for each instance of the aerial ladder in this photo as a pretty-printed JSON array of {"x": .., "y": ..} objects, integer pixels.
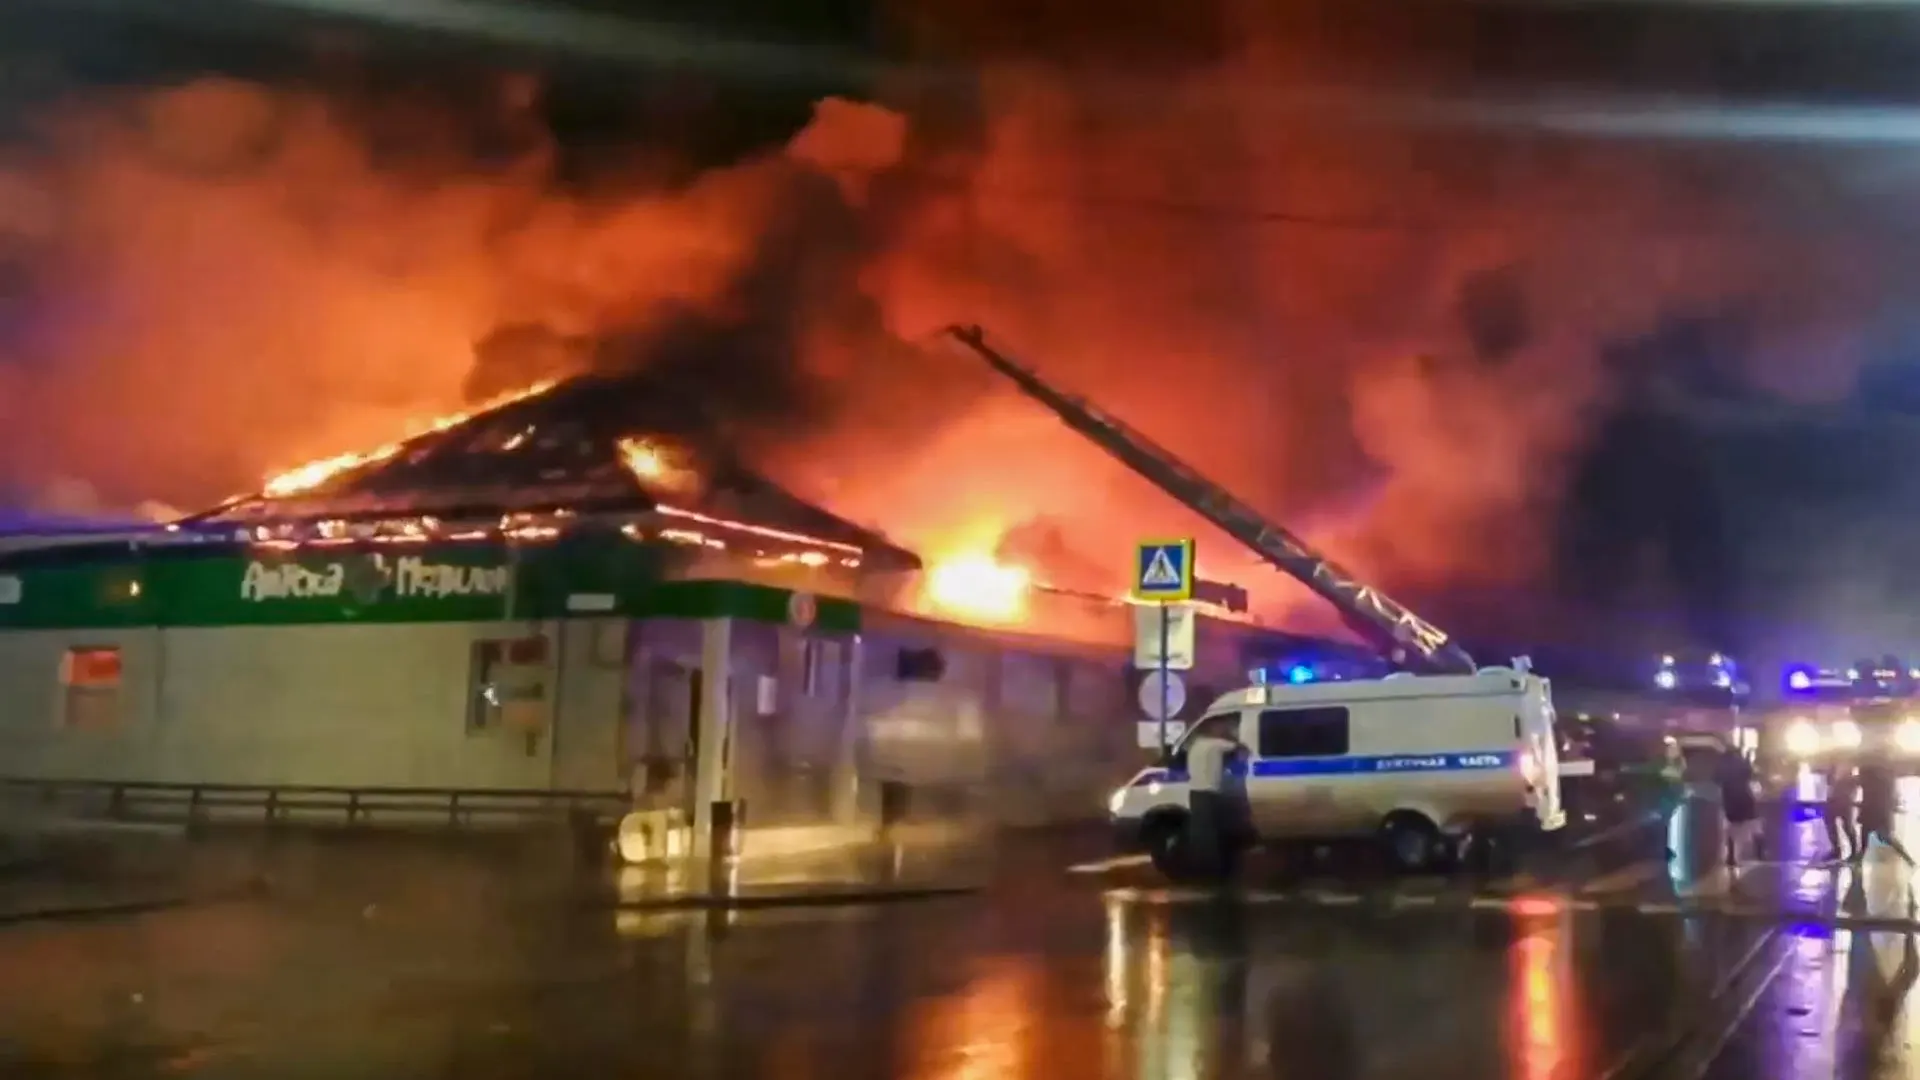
[{"x": 1405, "y": 638}]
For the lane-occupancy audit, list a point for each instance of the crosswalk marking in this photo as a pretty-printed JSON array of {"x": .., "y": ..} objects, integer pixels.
[
  {"x": 1639, "y": 887},
  {"x": 1117, "y": 862}
]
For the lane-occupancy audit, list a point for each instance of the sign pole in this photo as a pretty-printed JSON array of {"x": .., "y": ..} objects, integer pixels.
[
  {"x": 1162, "y": 577},
  {"x": 1166, "y": 683}
]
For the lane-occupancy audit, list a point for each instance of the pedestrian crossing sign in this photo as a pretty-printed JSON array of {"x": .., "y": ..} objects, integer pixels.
[{"x": 1163, "y": 570}]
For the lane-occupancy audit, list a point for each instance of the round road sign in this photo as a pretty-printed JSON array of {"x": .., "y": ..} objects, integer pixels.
[
  {"x": 1150, "y": 693},
  {"x": 801, "y": 609}
]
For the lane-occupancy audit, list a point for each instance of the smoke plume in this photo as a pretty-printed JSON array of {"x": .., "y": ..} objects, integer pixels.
[{"x": 1394, "y": 341}]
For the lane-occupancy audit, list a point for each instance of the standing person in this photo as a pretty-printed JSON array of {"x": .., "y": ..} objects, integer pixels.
[
  {"x": 1838, "y": 813},
  {"x": 1671, "y": 792},
  {"x": 1877, "y": 804},
  {"x": 1740, "y": 807},
  {"x": 1210, "y": 811}
]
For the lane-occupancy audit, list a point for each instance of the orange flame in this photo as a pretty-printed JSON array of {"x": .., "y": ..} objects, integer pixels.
[
  {"x": 314, "y": 473},
  {"x": 653, "y": 464},
  {"x": 976, "y": 587}
]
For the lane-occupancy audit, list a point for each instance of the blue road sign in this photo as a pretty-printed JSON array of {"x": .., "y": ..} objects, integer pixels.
[{"x": 1163, "y": 570}]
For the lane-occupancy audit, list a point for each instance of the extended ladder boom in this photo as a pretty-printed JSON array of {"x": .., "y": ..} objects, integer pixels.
[{"x": 1406, "y": 637}]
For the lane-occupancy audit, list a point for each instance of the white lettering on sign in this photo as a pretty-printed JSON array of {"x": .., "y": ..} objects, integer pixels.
[
  {"x": 1480, "y": 761},
  {"x": 1396, "y": 764},
  {"x": 409, "y": 577},
  {"x": 10, "y": 589},
  {"x": 287, "y": 581},
  {"x": 417, "y": 577}
]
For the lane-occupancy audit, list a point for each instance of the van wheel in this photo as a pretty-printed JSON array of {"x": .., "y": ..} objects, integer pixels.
[
  {"x": 1165, "y": 837},
  {"x": 1413, "y": 844}
]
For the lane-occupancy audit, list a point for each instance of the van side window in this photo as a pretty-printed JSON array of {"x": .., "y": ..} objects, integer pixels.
[{"x": 1291, "y": 733}]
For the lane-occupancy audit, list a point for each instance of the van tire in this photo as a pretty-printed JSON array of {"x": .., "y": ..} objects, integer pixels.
[
  {"x": 1412, "y": 843},
  {"x": 1165, "y": 837}
]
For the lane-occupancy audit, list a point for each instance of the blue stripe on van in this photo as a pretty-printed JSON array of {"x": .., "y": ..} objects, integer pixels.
[{"x": 1347, "y": 766}]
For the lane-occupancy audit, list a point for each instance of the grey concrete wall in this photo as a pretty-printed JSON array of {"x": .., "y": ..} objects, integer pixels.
[
  {"x": 324, "y": 705},
  {"x": 1022, "y": 732},
  {"x": 34, "y": 740},
  {"x": 1018, "y": 731},
  {"x": 591, "y": 704}
]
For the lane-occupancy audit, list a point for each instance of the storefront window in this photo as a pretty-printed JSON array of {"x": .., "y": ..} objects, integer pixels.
[
  {"x": 90, "y": 676},
  {"x": 509, "y": 686}
]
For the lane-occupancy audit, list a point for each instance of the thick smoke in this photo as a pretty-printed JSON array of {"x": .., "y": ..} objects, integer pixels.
[
  {"x": 1393, "y": 341},
  {"x": 221, "y": 278}
]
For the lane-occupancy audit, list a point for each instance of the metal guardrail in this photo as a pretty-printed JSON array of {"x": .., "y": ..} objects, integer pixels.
[{"x": 272, "y": 804}]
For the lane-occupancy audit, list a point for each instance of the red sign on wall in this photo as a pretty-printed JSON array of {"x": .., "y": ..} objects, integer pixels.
[{"x": 91, "y": 667}]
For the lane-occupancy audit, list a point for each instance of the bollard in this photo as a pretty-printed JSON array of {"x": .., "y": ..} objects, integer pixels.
[
  {"x": 729, "y": 825},
  {"x": 729, "y": 820},
  {"x": 894, "y": 805}
]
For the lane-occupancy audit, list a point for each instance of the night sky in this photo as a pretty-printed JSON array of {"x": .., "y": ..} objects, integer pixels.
[{"x": 1651, "y": 501}]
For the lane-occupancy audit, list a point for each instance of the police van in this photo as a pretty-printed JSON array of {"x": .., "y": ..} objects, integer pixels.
[{"x": 1419, "y": 762}]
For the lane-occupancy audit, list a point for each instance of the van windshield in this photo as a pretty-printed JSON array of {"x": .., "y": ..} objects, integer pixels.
[{"x": 1229, "y": 721}]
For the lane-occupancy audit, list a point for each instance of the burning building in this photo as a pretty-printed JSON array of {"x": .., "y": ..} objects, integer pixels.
[{"x": 537, "y": 597}]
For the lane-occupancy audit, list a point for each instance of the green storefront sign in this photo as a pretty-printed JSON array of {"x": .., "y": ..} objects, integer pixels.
[{"x": 480, "y": 582}]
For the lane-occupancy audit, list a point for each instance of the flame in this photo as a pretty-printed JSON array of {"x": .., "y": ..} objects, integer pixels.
[
  {"x": 643, "y": 459},
  {"x": 314, "y": 473},
  {"x": 653, "y": 465},
  {"x": 976, "y": 587}
]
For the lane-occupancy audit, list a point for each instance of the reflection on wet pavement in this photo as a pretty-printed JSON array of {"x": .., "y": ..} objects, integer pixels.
[
  {"x": 1841, "y": 1004},
  {"x": 1061, "y": 983},
  {"x": 382, "y": 964}
]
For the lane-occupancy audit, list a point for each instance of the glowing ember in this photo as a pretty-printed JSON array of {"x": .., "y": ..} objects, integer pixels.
[
  {"x": 643, "y": 458},
  {"x": 978, "y": 588},
  {"x": 314, "y": 473},
  {"x": 653, "y": 464},
  {"x": 756, "y": 530}
]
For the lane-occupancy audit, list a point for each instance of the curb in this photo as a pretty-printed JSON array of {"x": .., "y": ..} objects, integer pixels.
[
  {"x": 796, "y": 899},
  {"x": 99, "y": 911},
  {"x": 121, "y": 908}
]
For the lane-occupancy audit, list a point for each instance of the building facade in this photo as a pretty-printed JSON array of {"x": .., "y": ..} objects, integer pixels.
[{"x": 571, "y": 666}]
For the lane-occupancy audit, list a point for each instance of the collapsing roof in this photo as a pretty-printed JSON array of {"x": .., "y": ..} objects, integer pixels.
[{"x": 613, "y": 449}]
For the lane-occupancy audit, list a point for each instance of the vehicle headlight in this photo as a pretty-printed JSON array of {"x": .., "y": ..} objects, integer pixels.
[
  {"x": 1845, "y": 734},
  {"x": 1802, "y": 738},
  {"x": 1907, "y": 737},
  {"x": 1116, "y": 800}
]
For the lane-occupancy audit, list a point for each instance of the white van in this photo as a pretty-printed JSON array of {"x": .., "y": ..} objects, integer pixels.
[{"x": 1418, "y": 761}]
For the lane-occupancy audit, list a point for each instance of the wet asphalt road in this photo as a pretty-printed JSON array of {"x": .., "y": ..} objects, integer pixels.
[{"x": 445, "y": 967}]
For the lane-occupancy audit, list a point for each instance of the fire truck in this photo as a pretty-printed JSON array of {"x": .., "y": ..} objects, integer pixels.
[{"x": 1413, "y": 832}]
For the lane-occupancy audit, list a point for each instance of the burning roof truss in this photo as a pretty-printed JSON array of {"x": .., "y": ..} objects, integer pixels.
[{"x": 531, "y": 466}]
